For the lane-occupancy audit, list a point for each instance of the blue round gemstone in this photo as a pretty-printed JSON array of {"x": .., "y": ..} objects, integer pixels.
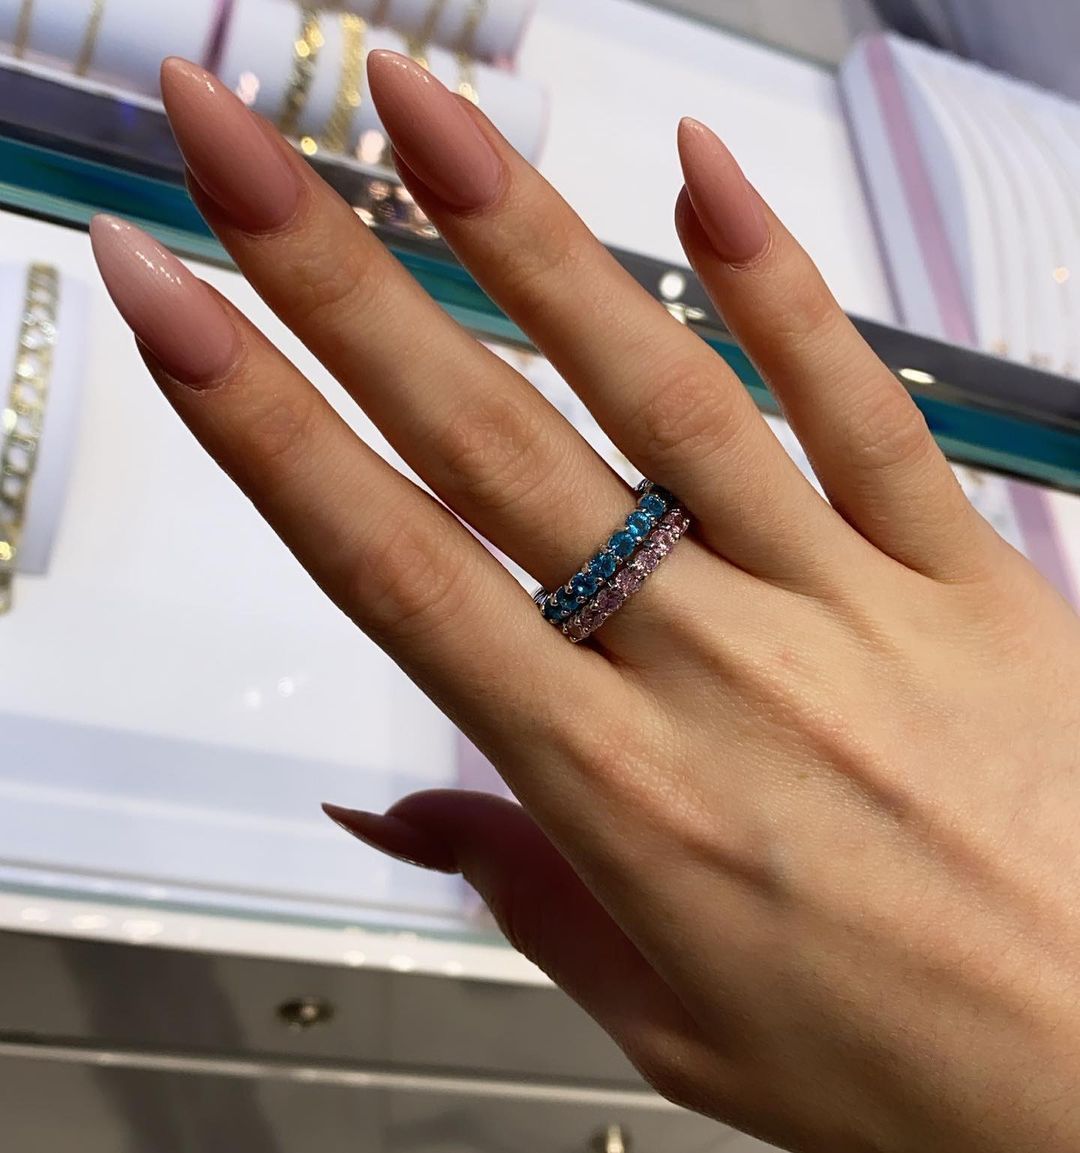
[
  {"x": 604, "y": 566},
  {"x": 552, "y": 612},
  {"x": 623, "y": 544},
  {"x": 584, "y": 584},
  {"x": 653, "y": 503},
  {"x": 639, "y": 524},
  {"x": 567, "y": 599}
]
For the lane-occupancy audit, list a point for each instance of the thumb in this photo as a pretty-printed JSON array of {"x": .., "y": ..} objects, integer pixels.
[{"x": 540, "y": 904}]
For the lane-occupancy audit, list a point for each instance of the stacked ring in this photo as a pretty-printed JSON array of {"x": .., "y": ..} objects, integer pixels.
[
  {"x": 645, "y": 562},
  {"x": 652, "y": 528}
]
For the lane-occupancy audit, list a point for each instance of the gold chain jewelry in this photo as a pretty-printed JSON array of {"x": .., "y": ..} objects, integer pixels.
[
  {"x": 305, "y": 58},
  {"x": 22, "y": 29},
  {"x": 23, "y": 420},
  {"x": 89, "y": 44},
  {"x": 338, "y": 133},
  {"x": 418, "y": 45},
  {"x": 466, "y": 49}
]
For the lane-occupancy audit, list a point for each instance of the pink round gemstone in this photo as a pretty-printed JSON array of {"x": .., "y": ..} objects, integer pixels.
[
  {"x": 646, "y": 560},
  {"x": 590, "y": 616},
  {"x": 662, "y": 541},
  {"x": 629, "y": 581},
  {"x": 575, "y": 631},
  {"x": 609, "y": 600}
]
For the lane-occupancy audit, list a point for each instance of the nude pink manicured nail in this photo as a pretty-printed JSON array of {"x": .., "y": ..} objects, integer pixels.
[
  {"x": 230, "y": 154},
  {"x": 167, "y": 307},
  {"x": 432, "y": 132},
  {"x": 394, "y": 837},
  {"x": 726, "y": 205}
]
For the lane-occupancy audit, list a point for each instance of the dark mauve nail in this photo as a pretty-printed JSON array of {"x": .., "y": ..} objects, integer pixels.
[{"x": 395, "y": 837}]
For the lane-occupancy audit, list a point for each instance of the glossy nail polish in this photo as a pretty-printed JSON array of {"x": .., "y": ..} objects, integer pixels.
[
  {"x": 167, "y": 307},
  {"x": 395, "y": 838},
  {"x": 728, "y": 208},
  {"x": 231, "y": 155},
  {"x": 432, "y": 131}
]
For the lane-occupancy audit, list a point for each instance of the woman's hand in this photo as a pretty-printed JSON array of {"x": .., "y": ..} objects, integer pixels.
[{"x": 799, "y": 829}]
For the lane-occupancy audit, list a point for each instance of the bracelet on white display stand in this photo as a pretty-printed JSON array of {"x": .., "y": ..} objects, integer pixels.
[
  {"x": 489, "y": 30},
  {"x": 120, "y": 40},
  {"x": 59, "y": 435},
  {"x": 260, "y": 61}
]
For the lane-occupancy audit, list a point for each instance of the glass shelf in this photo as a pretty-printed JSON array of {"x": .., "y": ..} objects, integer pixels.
[{"x": 70, "y": 153}]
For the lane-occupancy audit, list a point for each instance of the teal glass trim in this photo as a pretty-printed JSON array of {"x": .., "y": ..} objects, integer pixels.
[{"x": 65, "y": 187}]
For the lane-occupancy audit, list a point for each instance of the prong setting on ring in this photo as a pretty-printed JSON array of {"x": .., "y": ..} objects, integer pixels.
[{"x": 580, "y": 595}]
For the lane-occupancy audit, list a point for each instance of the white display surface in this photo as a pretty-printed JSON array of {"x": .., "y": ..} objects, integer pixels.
[
  {"x": 181, "y": 696},
  {"x": 620, "y": 75},
  {"x": 59, "y": 441}
]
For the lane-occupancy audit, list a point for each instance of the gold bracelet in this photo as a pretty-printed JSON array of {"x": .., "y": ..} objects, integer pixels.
[
  {"x": 466, "y": 48},
  {"x": 22, "y": 29},
  {"x": 305, "y": 58},
  {"x": 418, "y": 45},
  {"x": 23, "y": 420},
  {"x": 89, "y": 44},
  {"x": 337, "y": 136}
]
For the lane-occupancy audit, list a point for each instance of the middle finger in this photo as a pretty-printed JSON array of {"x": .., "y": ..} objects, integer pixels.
[{"x": 480, "y": 435}]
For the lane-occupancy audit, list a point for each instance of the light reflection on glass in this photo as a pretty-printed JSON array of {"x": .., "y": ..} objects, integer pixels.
[
  {"x": 672, "y": 285},
  {"x": 89, "y": 922},
  {"x": 372, "y": 146},
  {"x": 139, "y": 929},
  {"x": 248, "y": 88},
  {"x": 917, "y": 376}
]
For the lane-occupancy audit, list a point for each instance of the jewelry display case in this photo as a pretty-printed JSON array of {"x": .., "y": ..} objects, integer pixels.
[{"x": 195, "y": 958}]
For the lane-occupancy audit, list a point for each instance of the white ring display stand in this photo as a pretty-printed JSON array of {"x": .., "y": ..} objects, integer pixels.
[
  {"x": 258, "y": 62},
  {"x": 257, "y": 59},
  {"x": 60, "y": 437},
  {"x": 132, "y": 40},
  {"x": 497, "y": 37}
]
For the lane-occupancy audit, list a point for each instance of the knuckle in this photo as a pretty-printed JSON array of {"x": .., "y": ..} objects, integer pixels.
[
  {"x": 328, "y": 284},
  {"x": 689, "y": 407},
  {"x": 660, "y": 1063},
  {"x": 495, "y": 449},
  {"x": 280, "y": 432},
  {"x": 888, "y": 431},
  {"x": 408, "y": 584},
  {"x": 544, "y": 261},
  {"x": 810, "y": 310}
]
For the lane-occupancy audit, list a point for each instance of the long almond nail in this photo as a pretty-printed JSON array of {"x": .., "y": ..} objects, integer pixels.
[
  {"x": 167, "y": 307},
  {"x": 433, "y": 133},
  {"x": 726, "y": 205},
  {"x": 228, "y": 151},
  {"x": 395, "y": 838}
]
